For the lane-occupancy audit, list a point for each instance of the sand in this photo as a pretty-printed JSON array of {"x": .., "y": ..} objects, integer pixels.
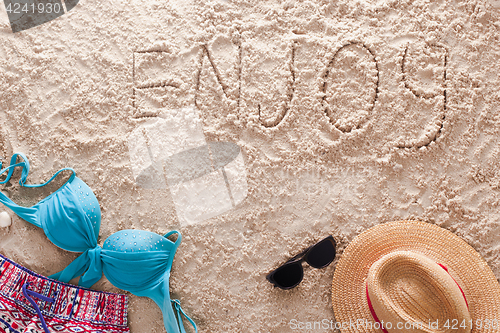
[{"x": 348, "y": 114}]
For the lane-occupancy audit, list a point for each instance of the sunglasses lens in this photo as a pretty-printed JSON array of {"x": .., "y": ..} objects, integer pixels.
[
  {"x": 288, "y": 276},
  {"x": 322, "y": 254}
]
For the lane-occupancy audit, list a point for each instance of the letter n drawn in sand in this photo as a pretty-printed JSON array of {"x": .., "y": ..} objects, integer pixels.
[
  {"x": 205, "y": 76},
  {"x": 218, "y": 79}
]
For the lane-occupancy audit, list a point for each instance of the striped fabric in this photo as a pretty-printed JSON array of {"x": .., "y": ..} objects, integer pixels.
[{"x": 75, "y": 309}]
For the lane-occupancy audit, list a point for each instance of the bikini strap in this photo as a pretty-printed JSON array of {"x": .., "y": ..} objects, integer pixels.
[
  {"x": 26, "y": 170},
  {"x": 13, "y": 165},
  {"x": 177, "y": 305},
  {"x": 173, "y": 323},
  {"x": 172, "y": 311},
  {"x": 26, "y": 213},
  {"x": 73, "y": 175},
  {"x": 179, "y": 237}
]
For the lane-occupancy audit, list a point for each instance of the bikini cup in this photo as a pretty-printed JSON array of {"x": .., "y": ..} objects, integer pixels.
[
  {"x": 72, "y": 210},
  {"x": 137, "y": 261},
  {"x": 133, "y": 260},
  {"x": 140, "y": 262}
]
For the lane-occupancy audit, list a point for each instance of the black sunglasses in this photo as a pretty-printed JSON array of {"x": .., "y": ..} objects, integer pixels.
[{"x": 290, "y": 274}]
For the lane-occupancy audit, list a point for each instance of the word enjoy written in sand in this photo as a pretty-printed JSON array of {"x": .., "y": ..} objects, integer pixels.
[{"x": 166, "y": 79}]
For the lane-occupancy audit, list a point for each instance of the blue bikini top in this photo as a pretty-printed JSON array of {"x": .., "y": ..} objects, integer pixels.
[{"x": 133, "y": 260}]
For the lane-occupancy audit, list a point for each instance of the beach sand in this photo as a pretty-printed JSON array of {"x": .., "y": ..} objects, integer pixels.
[{"x": 348, "y": 114}]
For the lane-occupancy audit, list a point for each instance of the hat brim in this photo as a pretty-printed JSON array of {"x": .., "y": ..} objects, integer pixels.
[{"x": 466, "y": 266}]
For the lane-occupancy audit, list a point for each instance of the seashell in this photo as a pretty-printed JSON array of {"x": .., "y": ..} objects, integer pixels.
[{"x": 5, "y": 220}]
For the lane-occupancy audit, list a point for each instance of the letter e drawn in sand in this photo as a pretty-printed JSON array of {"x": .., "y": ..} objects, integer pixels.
[{"x": 163, "y": 80}]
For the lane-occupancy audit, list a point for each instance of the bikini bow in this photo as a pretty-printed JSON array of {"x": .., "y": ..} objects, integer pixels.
[{"x": 88, "y": 265}]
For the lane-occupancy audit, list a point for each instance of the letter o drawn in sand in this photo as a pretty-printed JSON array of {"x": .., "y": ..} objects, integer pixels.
[{"x": 350, "y": 86}]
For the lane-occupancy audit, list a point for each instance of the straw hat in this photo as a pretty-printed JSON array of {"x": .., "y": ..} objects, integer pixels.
[{"x": 416, "y": 274}]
